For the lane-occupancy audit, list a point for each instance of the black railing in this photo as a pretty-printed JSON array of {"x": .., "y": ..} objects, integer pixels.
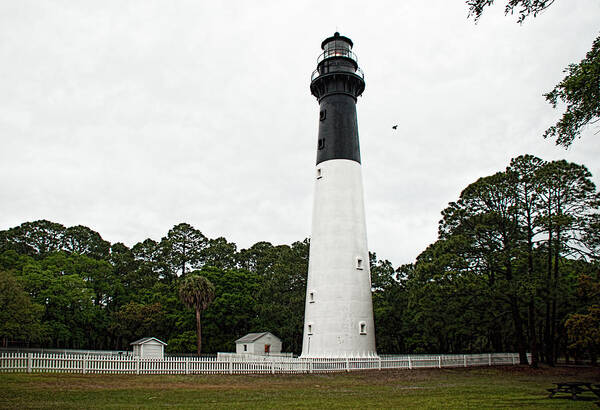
[
  {"x": 316, "y": 73},
  {"x": 337, "y": 52}
]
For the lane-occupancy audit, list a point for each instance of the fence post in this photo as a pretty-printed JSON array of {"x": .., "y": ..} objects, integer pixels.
[
  {"x": 513, "y": 358},
  {"x": 187, "y": 365},
  {"x": 465, "y": 359},
  {"x": 440, "y": 361},
  {"x": 409, "y": 363},
  {"x": 310, "y": 365},
  {"x": 272, "y": 367},
  {"x": 84, "y": 364},
  {"x": 137, "y": 365},
  {"x": 347, "y": 365},
  {"x": 490, "y": 359},
  {"x": 230, "y": 365},
  {"x": 29, "y": 362},
  {"x": 379, "y": 363}
]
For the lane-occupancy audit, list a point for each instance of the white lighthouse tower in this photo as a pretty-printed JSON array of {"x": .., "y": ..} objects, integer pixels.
[{"x": 338, "y": 320}]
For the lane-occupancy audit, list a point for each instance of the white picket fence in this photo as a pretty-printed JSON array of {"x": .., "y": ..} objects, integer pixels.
[{"x": 86, "y": 363}]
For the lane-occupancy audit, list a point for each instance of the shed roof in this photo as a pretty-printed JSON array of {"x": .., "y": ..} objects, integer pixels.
[
  {"x": 146, "y": 340},
  {"x": 253, "y": 337}
]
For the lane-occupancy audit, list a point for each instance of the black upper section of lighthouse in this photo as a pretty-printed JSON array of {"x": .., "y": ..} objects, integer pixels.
[{"x": 337, "y": 82}]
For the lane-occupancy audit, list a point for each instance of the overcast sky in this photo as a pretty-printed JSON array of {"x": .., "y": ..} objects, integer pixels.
[{"x": 132, "y": 116}]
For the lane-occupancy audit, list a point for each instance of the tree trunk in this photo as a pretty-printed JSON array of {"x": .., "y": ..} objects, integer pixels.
[
  {"x": 548, "y": 343},
  {"x": 531, "y": 307},
  {"x": 516, "y": 314},
  {"x": 532, "y": 334},
  {"x": 514, "y": 307},
  {"x": 183, "y": 266},
  {"x": 554, "y": 296},
  {"x": 541, "y": 350},
  {"x": 496, "y": 338},
  {"x": 199, "y": 330}
]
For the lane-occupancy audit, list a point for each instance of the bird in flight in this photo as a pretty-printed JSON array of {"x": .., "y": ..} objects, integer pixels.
[{"x": 394, "y": 127}]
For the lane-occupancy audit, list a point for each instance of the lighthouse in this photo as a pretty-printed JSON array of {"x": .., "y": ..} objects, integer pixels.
[{"x": 338, "y": 320}]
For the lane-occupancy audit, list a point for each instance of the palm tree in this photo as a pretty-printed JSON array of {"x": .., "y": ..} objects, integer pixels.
[{"x": 197, "y": 292}]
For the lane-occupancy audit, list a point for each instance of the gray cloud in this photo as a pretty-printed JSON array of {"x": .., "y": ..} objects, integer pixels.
[{"x": 130, "y": 117}]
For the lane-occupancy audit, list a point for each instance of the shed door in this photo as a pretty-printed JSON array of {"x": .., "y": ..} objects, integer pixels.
[
  {"x": 267, "y": 348},
  {"x": 152, "y": 350}
]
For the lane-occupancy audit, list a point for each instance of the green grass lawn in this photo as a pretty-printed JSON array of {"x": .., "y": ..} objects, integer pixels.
[{"x": 496, "y": 387}]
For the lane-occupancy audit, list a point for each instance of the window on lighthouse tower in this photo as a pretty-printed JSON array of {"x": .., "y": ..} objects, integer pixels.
[{"x": 359, "y": 263}]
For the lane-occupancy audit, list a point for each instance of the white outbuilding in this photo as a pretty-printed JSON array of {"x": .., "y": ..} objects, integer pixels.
[
  {"x": 264, "y": 343},
  {"x": 149, "y": 347}
]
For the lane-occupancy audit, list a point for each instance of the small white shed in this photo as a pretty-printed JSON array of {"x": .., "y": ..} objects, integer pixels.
[
  {"x": 264, "y": 343},
  {"x": 149, "y": 347}
]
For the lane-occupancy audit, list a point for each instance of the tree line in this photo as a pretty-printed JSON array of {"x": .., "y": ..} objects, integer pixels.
[
  {"x": 69, "y": 288},
  {"x": 515, "y": 268}
]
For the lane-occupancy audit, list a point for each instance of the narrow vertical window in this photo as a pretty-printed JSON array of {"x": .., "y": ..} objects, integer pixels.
[
  {"x": 359, "y": 263},
  {"x": 245, "y": 348},
  {"x": 310, "y": 329},
  {"x": 322, "y": 115},
  {"x": 321, "y": 144},
  {"x": 319, "y": 173},
  {"x": 363, "y": 328},
  {"x": 311, "y": 297}
]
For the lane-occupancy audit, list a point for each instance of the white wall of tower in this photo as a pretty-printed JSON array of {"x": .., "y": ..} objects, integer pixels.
[{"x": 339, "y": 312}]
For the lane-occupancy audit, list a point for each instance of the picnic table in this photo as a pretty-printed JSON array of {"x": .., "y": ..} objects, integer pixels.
[{"x": 575, "y": 388}]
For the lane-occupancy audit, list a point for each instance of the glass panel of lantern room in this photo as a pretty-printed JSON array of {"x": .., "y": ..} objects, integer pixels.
[{"x": 337, "y": 47}]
